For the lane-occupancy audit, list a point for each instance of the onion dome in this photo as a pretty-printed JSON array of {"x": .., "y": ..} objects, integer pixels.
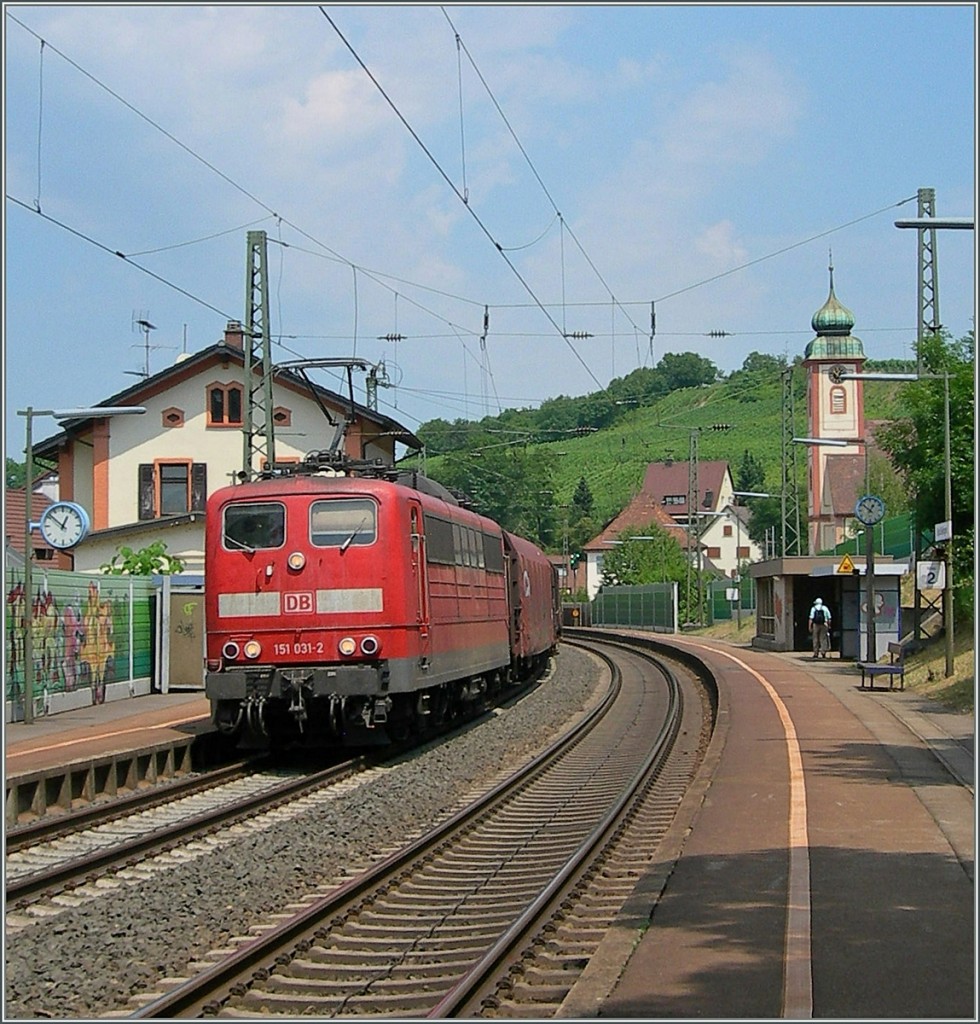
[{"x": 832, "y": 323}]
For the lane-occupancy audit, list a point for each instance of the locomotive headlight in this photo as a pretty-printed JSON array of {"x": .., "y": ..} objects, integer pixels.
[
  {"x": 370, "y": 645},
  {"x": 230, "y": 650},
  {"x": 296, "y": 560},
  {"x": 347, "y": 646},
  {"x": 252, "y": 649}
]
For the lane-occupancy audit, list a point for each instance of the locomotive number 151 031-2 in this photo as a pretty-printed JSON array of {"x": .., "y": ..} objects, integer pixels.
[{"x": 299, "y": 647}]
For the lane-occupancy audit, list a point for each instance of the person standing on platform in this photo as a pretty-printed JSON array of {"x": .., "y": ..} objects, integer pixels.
[{"x": 819, "y": 626}]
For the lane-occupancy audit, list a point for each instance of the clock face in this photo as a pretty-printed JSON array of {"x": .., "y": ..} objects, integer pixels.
[
  {"x": 870, "y": 509},
  {"x": 64, "y": 524}
]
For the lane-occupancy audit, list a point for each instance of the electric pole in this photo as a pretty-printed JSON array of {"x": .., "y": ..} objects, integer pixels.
[{"x": 257, "y": 421}]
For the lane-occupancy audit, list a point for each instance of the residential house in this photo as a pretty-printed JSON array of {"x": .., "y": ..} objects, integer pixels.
[
  {"x": 14, "y": 530},
  {"x": 725, "y": 540},
  {"x": 663, "y": 499},
  {"x": 642, "y": 511},
  {"x": 147, "y": 478},
  {"x": 668, "y": 484}
]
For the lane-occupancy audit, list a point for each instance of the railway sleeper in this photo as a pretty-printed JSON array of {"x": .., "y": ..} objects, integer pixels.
[
  {"x": 291, "y": 1003},
  {"x": 536, "y": 991},
  {"x": 338, "y": 987},
  {"x": 307, "y": 969},
  {"x": 507, "y": 1010}
]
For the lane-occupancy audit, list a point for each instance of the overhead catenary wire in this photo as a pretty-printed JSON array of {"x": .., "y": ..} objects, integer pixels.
[
  {"x": 319, "y": 243},
  {"x": 40, "y": 122},
  {"x": 340, "y": 258},
  {"x": 534, "y": 170},
  {"x": 435, "y": 163}
]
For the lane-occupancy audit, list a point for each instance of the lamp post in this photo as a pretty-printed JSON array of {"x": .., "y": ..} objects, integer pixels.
[
  {"x": 923, "y": 225},
  {"x": 947, "y": 496},
  {"x": 59, "y": 414}
]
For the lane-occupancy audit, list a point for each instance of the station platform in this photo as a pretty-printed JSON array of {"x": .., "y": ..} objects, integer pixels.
[
  {"x": 61, "y": 762},
  {"x": 821, "y": 866}
]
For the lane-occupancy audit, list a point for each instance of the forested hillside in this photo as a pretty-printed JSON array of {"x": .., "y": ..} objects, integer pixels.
[{"x": 526, "y": 466}]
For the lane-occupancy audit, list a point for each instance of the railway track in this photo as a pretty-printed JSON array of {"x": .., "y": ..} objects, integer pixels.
[
  {"x": 98, "y": 846},
  {"x": 58, "y": 853},
  {"x": 54, "y": 826},
  {"x": 450, "y": 924}
]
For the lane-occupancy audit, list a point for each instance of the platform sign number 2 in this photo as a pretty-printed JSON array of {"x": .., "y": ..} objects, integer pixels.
[{"x": 931, "y": 575}]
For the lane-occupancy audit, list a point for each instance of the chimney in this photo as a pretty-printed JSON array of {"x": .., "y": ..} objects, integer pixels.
[{"x": 235, "y": 335}]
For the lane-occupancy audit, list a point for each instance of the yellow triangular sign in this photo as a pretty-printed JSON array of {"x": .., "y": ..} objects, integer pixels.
[{"x": 846, "y": 565}]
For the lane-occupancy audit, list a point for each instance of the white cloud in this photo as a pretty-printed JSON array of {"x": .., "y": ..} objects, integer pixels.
[{"x": 736, "y": 119}]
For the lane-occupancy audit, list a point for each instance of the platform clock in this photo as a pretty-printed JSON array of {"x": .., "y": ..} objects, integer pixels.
[
  {"x": 870, "y": 509},
  {"x": 64, "y": 524}
]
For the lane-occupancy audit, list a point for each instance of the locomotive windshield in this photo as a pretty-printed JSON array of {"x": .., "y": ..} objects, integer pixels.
[
  {"x": 248, "y": 527},
  {"x": 343, "y": 522}
]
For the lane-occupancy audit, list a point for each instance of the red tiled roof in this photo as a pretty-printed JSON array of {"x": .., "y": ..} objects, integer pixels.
[
  {"x": 671, "y": 478},
  {"x": 844, "y": 483},
  {"x": 14, "y": 518},
  {"x": 639, "y": 514}
]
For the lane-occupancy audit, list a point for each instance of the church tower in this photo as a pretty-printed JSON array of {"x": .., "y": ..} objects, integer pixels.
[{"x": 835, "y": 412}]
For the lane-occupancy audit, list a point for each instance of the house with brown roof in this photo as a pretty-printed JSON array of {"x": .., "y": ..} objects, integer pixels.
[
  {"x": 642, "y": 511},
  {"x": 725, "y": 541},
  {"x": 664, "y": 499},
  {"x": 669, "y": 483},
  {"x": 14, "y": 529},
  {"x": 147, "y": 478}
]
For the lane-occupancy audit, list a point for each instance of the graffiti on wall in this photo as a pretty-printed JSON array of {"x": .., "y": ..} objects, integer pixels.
[{"x": 74, "y": 640}]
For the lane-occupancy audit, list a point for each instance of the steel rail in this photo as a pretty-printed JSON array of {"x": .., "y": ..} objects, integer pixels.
[
  {"x": 53, "y": 826},
  {"x": 255, "y": 960},
  {"x": 466, "y": 991},
  {"x": 76, "y": 871}
]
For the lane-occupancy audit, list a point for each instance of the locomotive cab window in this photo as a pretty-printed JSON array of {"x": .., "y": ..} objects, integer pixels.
[
  {"x": 343, "y": 523},
  {"x": 249, "y": 527}
]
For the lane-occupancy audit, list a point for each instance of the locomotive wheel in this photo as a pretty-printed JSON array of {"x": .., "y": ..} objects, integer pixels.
[{"x": 402, "y": 723}]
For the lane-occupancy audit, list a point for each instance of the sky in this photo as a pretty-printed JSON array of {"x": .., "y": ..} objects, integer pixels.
[{"x": 555, "y": 172}]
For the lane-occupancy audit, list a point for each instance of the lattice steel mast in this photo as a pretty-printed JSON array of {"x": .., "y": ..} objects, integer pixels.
[
  {"x": 257, "y": 415},
  {"x": 789, "y": 494}
]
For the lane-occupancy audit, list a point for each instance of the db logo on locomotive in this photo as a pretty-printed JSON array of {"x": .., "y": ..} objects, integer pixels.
[{"x": 298, "y": 601}]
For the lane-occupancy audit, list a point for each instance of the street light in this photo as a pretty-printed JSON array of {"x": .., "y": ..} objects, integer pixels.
[
  {"x": 948, "y": 493},
  {"x": 59, "y": 414}
]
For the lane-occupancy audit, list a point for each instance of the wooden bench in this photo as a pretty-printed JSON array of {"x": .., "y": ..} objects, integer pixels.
[{"x": 895, "y": 666}]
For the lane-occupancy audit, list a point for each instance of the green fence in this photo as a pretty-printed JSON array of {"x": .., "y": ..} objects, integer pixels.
[
  {"x": 721, "y": 607},
  {"x": 653, "y": 606},
  {"x": 894, "y": 536},
  {"x": 89, "y": 634}
]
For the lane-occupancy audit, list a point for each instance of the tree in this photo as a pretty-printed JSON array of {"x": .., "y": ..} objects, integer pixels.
[
  {"x": 583, "y": 504},
  {"x": 148, "y": 561},
  {"x": 15, "y": 473},
  {"x": 686, "y": 370},
  {"x": 635, "y": 562},
  {"x": 750, "y": 475},
  {"x": 767, "y": 516},
  {"x": 509, "y": 484},
  {"x": 761, "y": 362},
  {"x": 916, "y": 445}
]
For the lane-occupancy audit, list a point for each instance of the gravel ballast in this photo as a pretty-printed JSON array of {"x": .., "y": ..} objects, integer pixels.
[{"x": 91, "y": 959}]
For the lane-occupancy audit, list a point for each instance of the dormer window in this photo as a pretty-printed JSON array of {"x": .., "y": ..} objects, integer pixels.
[{"x": 225, "y": 405}]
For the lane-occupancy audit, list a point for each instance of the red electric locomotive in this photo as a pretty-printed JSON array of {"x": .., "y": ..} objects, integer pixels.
[{"x": 347, "y": 610}]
